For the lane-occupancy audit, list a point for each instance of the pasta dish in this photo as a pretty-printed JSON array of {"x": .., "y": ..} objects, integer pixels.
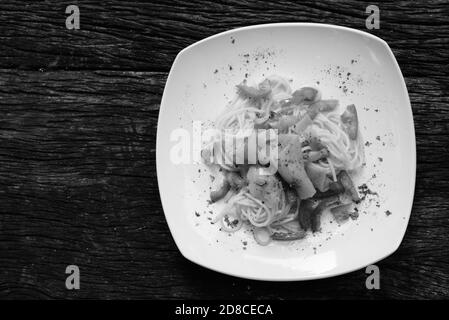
[{"x": 286, "y": 156}]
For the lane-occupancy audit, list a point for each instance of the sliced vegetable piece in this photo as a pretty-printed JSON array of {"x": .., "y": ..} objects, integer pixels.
[
  {"x": 335, "y": 188},
  {"x": 245, "y": 91},
  {"x": 317, "y": 212},
  {"x": 306, "y": 208},
  {"x": 347, "y": 183},
  {"x": 306, "y": 95},
  {"x": 341, "y": 213},
  {"x": 350, "y": 121},
  {"x": 220, "y": 193},
  {"x": 319, "y": 177},
  {"x": 262, "y": 236},
  {"x": 315, "y": 221},
  {"x": 288, "y": 236},
  {"x": 230, "y": 223},
  {"x": 315, "y": 155}
]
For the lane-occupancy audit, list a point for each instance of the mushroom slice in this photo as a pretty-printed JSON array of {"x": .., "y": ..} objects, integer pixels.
[
  {"x": 347, "y": 183},
  {"x": 341, "y": 213},
  {"x": 350, "y": 121},
  {"x": 306, "y": 95}
]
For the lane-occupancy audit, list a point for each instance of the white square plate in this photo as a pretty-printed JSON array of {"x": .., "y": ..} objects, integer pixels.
[{"x": 346, "y": 64}]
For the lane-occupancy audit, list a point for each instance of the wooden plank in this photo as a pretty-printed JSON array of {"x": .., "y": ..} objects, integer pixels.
[{"x": 127, "y": 35}]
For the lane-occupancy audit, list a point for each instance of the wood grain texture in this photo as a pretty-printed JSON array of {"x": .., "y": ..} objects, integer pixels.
[{"x": 78, "y": 117}]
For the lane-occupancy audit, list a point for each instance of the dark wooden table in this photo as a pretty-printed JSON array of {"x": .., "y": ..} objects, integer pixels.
[{"x": 78, "y": 117}]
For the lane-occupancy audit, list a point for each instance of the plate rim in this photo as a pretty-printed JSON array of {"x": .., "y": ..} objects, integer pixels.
[{"x": 411, "y": 128}]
